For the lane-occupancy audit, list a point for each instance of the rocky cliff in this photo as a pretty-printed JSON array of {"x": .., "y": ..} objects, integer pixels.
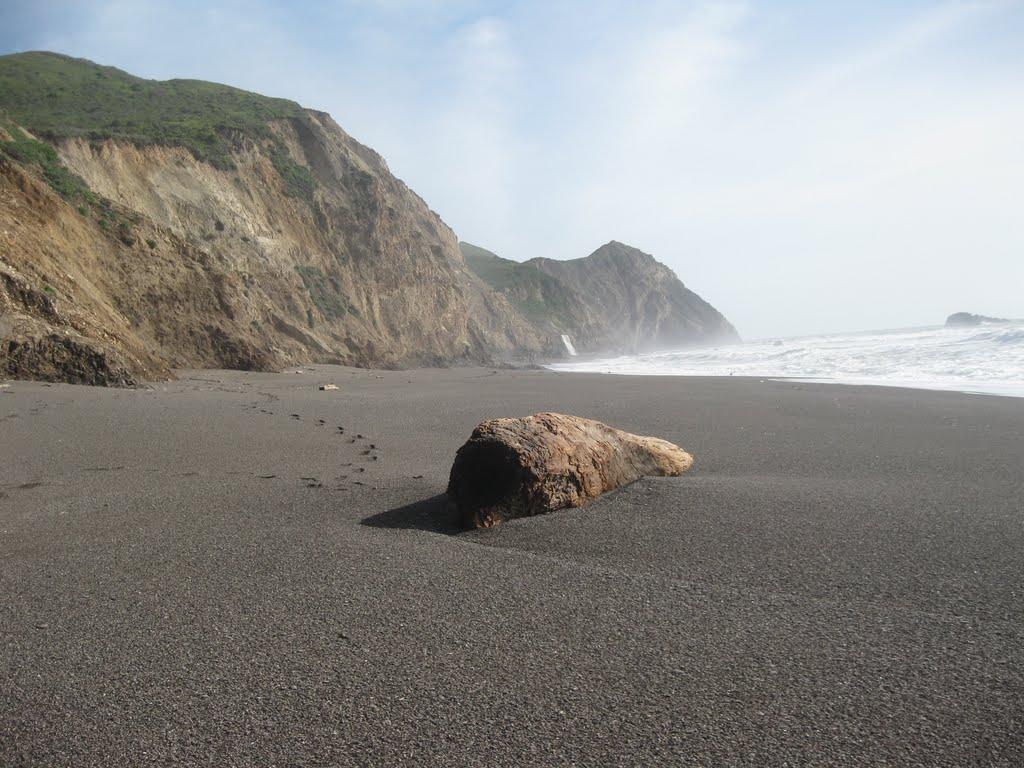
[
  {"x": 617, "y": 299},
  {"x": 149, "y": 225}
]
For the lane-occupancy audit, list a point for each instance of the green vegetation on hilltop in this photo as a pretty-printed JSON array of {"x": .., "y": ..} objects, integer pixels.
[
  {"x": 36, "y": 154},
  {"x": 56, "y": 96},
  {"x": 31, "y": 152},
  {"x": 542, "y": 298}
]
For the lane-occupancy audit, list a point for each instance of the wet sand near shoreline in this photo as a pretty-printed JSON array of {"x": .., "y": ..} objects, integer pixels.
[{"x": 240, "y": 569}]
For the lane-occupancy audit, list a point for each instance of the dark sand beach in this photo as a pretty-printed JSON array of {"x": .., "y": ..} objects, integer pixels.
[{"x": 240, "y": 569}]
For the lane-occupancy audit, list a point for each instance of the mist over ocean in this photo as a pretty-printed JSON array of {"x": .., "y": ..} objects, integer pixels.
[{"x": 985, "y": 358}]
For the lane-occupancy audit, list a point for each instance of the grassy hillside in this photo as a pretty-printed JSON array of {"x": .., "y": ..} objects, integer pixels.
[
  {"x": 30, "y": 152},
  {"x": 56, "y": 96},
  {"x": 542, "y": 298}
]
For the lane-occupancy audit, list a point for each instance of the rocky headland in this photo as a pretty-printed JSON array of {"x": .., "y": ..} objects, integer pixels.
[{"x": 152, "y": 225}]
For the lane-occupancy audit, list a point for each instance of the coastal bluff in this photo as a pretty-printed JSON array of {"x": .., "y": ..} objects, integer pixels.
[
  {"x": 616, "y": 300},
  {"x": 148, "y": 226}
]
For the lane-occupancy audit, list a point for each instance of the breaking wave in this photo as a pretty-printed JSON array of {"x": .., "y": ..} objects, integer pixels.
[{"x": 986, "y": 359}]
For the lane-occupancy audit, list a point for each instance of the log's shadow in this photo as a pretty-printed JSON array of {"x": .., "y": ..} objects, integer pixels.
[{"x": 434, "y": 514}]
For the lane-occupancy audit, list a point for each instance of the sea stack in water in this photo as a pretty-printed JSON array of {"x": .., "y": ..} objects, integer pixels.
[
  {"x": 534, "y": 465},
  {"x": 961, "y": 319}
]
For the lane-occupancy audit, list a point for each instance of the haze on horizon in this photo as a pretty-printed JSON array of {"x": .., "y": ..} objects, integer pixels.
[{"x": 805, "y": 167}]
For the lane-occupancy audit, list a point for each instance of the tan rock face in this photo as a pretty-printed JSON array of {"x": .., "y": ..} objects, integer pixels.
[
  {"x": 278, "y": 240},
  {"x": 361, "y": 273},
  {"x": 197, "y": 266},
  {"x": 519, "y": 467},
  {"x": 59, "y": 316}
]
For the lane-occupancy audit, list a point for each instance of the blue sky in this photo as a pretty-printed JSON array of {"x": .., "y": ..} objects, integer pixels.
[{"x": 805, "y": 166}]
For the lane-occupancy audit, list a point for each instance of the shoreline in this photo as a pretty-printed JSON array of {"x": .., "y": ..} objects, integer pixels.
[
  {"x": 1018, "y": 389},
  {"x": 982, "y": 360},
  {"x": 242, "y": 565}
]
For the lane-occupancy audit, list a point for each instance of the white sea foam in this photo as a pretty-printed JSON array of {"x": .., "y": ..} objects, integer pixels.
[{"x": 986, "y": 358}]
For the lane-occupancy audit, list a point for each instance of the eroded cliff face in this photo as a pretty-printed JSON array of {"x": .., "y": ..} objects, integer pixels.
[
  {"x": 551, "y": 307},
  {"x": 634, "y": 303},
  {"x": 150, "y": 225},
  {"x": 178, "y": 263},
  {"x": 618, "y": 299},
  {"x": 359, "y": 270},
  {"x": 59, "y": 318}
]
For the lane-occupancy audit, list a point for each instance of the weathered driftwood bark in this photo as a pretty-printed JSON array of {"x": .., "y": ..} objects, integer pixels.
[{"x": 534, "y": 465}]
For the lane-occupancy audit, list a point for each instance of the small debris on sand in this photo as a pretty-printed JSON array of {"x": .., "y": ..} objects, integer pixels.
[{"x": 328, "y": 387}]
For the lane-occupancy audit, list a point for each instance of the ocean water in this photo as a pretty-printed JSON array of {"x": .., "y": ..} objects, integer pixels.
[{"x": 986, "y": 358}]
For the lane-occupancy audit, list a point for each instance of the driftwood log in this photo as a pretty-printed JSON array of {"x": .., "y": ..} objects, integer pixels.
[{"x": 534, "y": 465}]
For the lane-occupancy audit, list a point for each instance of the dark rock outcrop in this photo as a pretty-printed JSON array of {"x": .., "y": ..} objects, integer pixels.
[
  {"x": 518, "y": 467},
  {"x": 58, "y": 358}
]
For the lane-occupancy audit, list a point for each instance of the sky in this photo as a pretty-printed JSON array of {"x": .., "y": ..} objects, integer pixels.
[{"x": 806, "y": 167}]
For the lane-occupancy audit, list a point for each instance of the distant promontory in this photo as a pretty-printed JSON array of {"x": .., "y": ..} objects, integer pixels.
[{"x": 966, "y": 319}]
